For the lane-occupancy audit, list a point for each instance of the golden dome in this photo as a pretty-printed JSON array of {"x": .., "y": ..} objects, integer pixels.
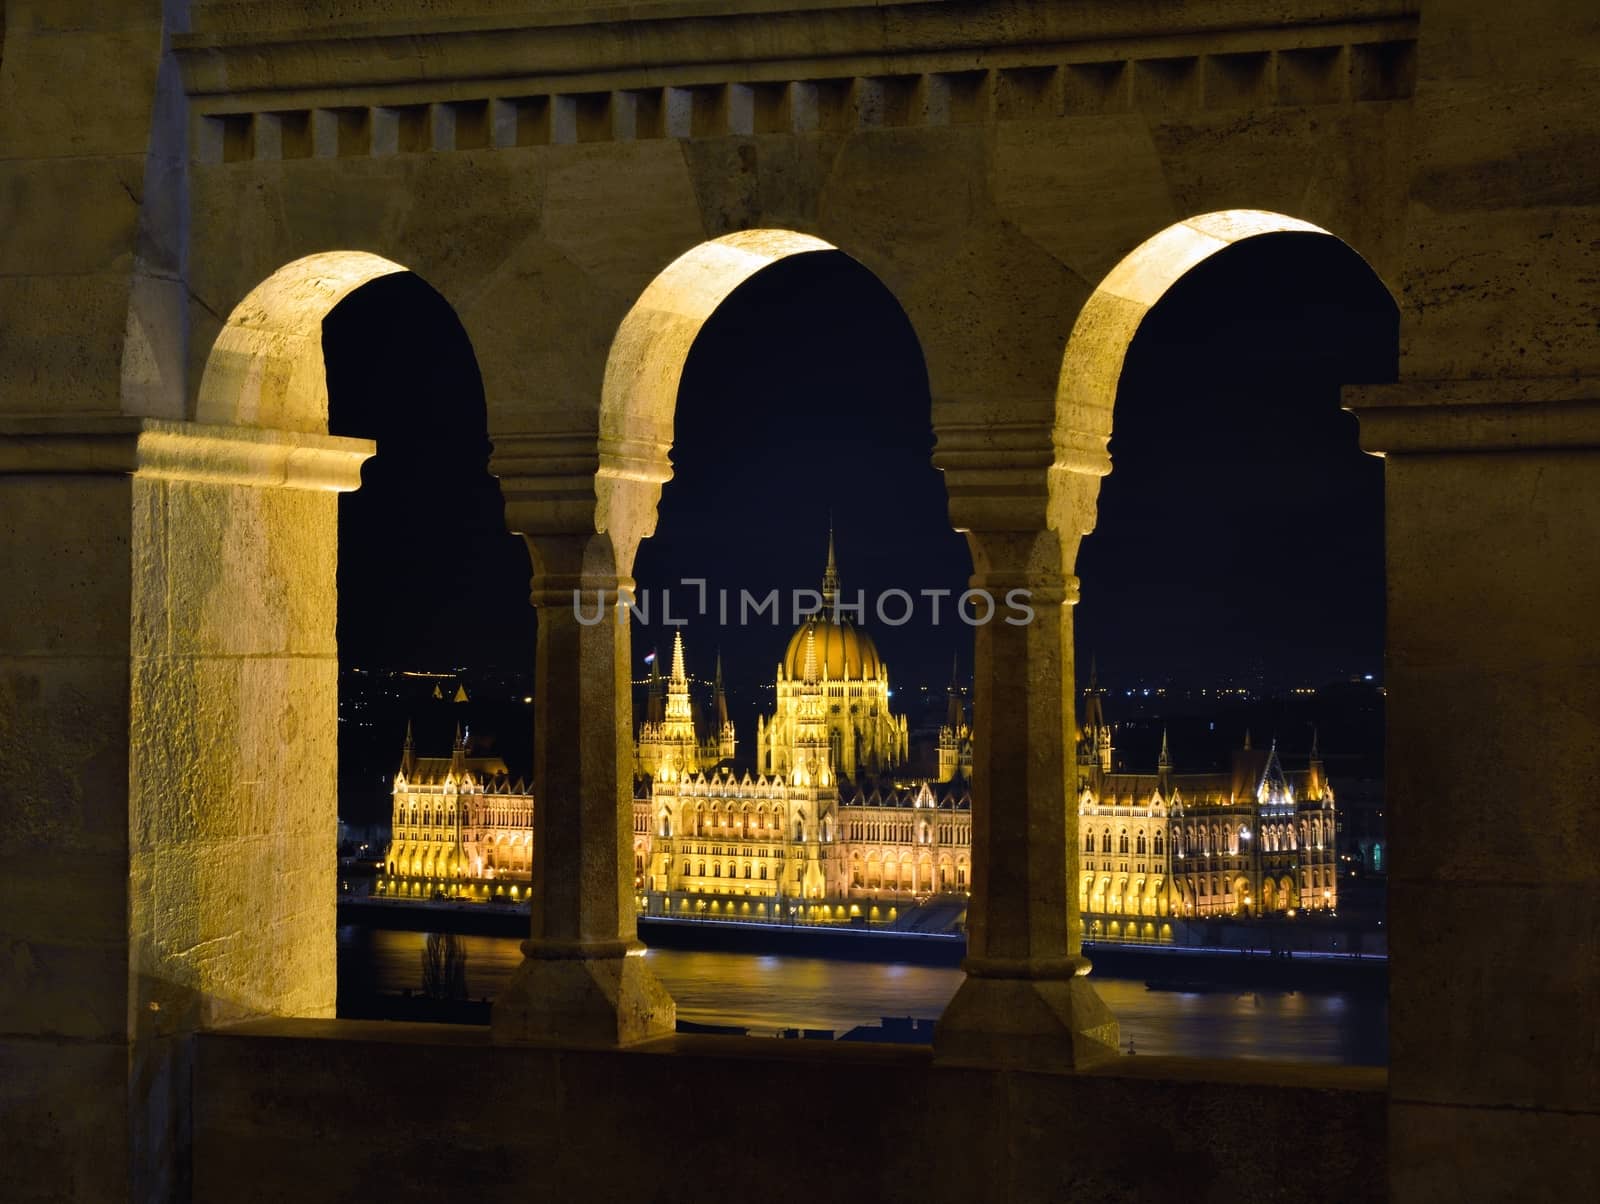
[{"x": 842, "y": 651}]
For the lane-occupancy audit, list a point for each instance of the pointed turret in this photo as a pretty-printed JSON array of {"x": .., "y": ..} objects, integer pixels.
[
  {"x": 955, "y": 737},
  {"x": 1164, "y": 765},
  {"x": 678, "y": 673},
  {"x": 810, "y": 676},
  {"x": 1094, "y": 738},
  {"x": 655, "y": 709},
  {"x": 458, "y": 752},
  {"x": 955, "y": 712},
  {"x": 408, "y": 753}
]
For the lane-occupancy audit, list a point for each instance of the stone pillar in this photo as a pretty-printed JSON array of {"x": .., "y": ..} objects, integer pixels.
[
  {"x": 168, "y": 706},
  {"x": 1493, "y": 682},
  {"x": 1026, "y": 1000},
  {"x": 583, "y": 979}
]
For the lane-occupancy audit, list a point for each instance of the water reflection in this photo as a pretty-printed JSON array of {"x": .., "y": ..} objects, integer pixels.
[{"x": 766, "y": 993}]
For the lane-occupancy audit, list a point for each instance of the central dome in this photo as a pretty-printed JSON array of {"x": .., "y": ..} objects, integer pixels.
[{"x": 842, "y": 651}]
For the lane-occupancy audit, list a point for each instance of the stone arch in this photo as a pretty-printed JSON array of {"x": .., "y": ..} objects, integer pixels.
[
  {"x": 265, "y": 368},
  {"x": 1243, "y": 900},
  {"x": 1091, "y": 368},
  {"x": 639, "y": 393}
]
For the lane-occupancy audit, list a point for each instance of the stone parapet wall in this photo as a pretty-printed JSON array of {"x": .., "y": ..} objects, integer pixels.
[{"x": 315, "y": 1111}]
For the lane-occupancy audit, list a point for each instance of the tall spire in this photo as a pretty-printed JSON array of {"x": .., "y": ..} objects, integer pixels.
[
  {"x": 1314, "y": 780},
  {"x": 721, "y": 698},
  {"x": 678, "y": 708},
  {"x": 408, "y": 753},
  {"x": 678, "y": 673},
  {"x": 1166, "y": 757},
  {"x": 1094, "y": 716},
  {"x": 830, "y": 577}
]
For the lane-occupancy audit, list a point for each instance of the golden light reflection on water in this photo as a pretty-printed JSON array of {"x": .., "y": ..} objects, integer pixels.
[{"x": 766, "y": 993}]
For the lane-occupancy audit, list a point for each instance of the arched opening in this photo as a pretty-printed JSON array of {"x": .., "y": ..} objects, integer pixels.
[
  {"x": 787, "y": 382},
  {"x": 425, "y": 577},
  {"x": 1234, "y": 562}
]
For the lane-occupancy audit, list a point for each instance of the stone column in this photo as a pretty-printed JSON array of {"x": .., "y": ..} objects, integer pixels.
[
  {"x": 583, "y": 979},
  {"x": 1026, "y": 1000},
  {"x": 168, "y": 707},
  {"x": 1493, "y": 680}
]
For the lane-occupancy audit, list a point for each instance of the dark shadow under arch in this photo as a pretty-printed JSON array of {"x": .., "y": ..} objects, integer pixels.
[
  {"x": 1240, "y": 533},
  {"x": 428, "y": 577}
]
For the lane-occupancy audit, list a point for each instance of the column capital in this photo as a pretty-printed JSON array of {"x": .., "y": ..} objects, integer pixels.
[
  {"x": 1021, "y": 476},
  {"x": 579, "y": 483},
  {"x": 1498, "y": 415},
  {"x": 547, "y": 480}
]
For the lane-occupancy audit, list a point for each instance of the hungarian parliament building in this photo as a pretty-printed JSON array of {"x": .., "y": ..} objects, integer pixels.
[{"x": 827, "y": 823}]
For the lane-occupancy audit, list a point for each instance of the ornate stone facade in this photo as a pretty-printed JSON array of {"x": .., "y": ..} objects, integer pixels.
[
  {"x": 1252, "y": 841},
  {"x": 668, "y": 743},
  {"x": 824, "y": 827},
  {"x": 460, "y": 827},
  {"x": 863, "y": 735}
]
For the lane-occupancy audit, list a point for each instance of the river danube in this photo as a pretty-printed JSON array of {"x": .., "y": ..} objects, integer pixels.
[{"x": 767, "y": 993}]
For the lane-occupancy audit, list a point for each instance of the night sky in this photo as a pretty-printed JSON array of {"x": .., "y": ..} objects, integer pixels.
[{"x": 1240, "y": 535}]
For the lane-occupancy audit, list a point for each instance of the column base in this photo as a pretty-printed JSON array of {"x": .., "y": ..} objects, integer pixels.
[
  {"x": 573, "y": 997},
  {"x": 1034, "y": 1023}
]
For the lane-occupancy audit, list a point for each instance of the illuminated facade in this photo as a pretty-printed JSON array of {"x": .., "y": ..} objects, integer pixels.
[
  {"x": 824, "y": 825},
  {"x": 668, "y": 743},
  {"x": 863, "y": 735},
  {"x": 460, "y": 827},
  {"x": 1252, "y": 841}
]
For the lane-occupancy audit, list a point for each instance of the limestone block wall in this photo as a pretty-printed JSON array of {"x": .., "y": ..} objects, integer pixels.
[
  {"x": 989, "y": 201},
  {"x": 64, "y": 997},
  {"x": 1493, "y": 443},
  {"x": 233, "y": 780},
  {"x": 991, "y": 163},
  {"x": 1503, "y": 198},
  {"x": 1152, "y": 1129},
  {"x": 87, "y": 194},
  {"x": 167, "y": 691}
]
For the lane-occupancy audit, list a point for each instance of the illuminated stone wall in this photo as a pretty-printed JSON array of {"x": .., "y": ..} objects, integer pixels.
[{"x": 585, "y": 196}]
